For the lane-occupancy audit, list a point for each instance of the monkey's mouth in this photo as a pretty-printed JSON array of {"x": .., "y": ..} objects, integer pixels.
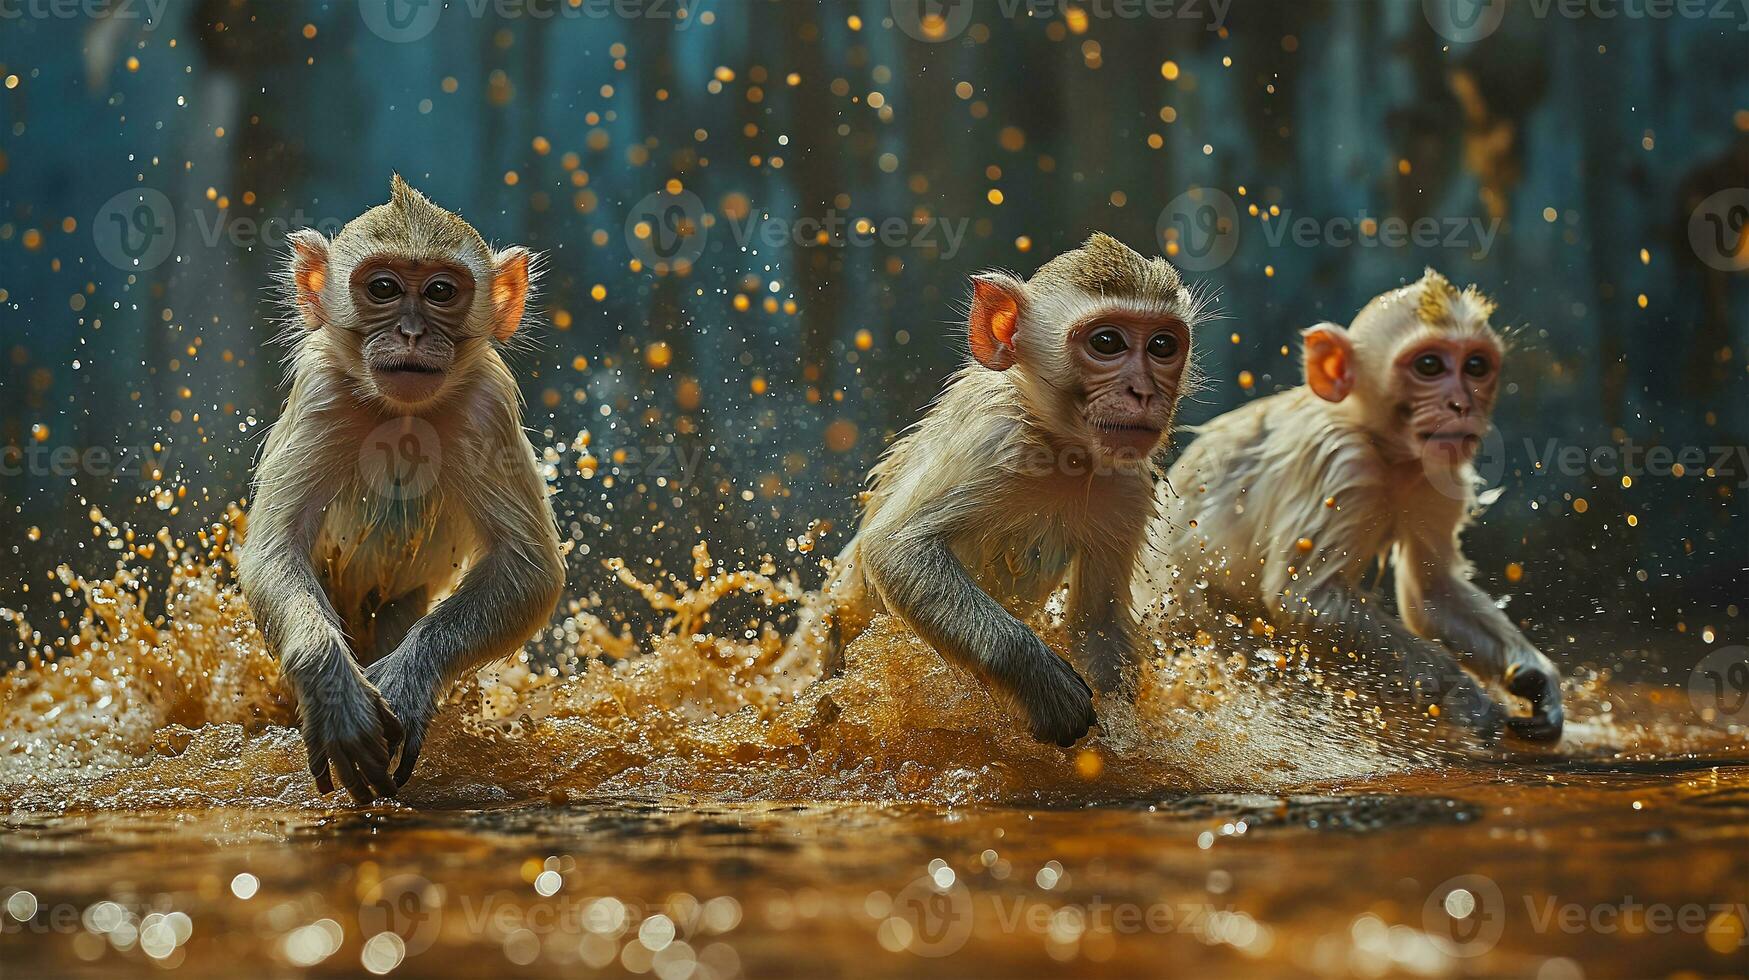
[
  {"x": 1127, "y": 438},
  {"x": 1459, "y": 444},
  {"x": 407, "y": 380}
]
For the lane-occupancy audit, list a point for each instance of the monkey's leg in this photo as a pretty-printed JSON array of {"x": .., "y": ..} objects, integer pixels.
[
  {"x": 1452, "y": 609},
  {"x": 924, "y": 583},
  {"x": 1103, "y": 632},
  {"x": 502, "y": 600},
  {"x": 1431, "y": 674}
]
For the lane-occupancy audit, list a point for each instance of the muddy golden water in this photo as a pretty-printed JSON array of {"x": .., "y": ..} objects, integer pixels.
[{"x": 667, "y": 808}]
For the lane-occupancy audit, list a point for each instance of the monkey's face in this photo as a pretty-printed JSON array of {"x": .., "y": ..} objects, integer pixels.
[
  {"x": 1444, "y": 390},
  {"x": 1131, "y": 368},
  {"x": 413, "y": 316}
]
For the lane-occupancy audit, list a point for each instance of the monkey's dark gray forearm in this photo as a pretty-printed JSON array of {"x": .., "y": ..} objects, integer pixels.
[
  {"x": 1333, "y": 612},
  {"x": 924, "y": 583},
  {"x": 1459, "y": 613},
  {"x": 291, "y": 608},
  {"x": 500, "y": 603}
]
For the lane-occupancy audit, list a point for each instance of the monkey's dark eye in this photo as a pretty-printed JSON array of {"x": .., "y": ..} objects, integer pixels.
[
  {"x": 440, "y": 291},
  {"x": 1163, "y": 346},
  {"x": 382, "y": 289},
  {"x": 1429, "y": 365},
  {"x": 1477, "y": 366},
  {"x": 1107, "y": 342}
]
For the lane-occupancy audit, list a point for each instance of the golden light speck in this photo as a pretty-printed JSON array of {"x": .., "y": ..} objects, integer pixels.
[
  {"x": 1514, "y": 572},
  {"x": 69, "y": 225},
  {"x": 1641, "y": 299},
  {"x": 1169, "y": 71},
  {"x": 758, "y": 386},
  {"x": 658, "y": 355},
  {"x": 1633, "y": 520},
  {"x": 1303, "y": 545},
  {"x": 511, "y": 178},
  {"x": 598, "y": 292},
  {"x": 11, "y": 81},
  {"x": 1269, "y": 272},
  {"x": 1088, "y": 764},
  {"x": 994, "y": 196},
  {"x": 841, "y": 436},
  {"x": 963, "y": 89},
  {"x": 1023, "y": 243},
  {"x": 32, "y": 240},
  {"x": 1580, "y": 505},
  {"x": 1246, "y": 380},
  {"x": 39, "y": 432},
  {"x": 579, "y": 363},
  {"x": 1234, "y": 338},
  {"x": 133, "y": 63},
  {"x": 309, "y": 32},
  {"x": 561, "y": 319},
  {"x": 1549, "y": 215},
  {"x": 542, "y": 146}
]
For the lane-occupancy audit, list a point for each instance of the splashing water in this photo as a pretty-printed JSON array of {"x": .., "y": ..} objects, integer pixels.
[{"x": 184, "y": 709}]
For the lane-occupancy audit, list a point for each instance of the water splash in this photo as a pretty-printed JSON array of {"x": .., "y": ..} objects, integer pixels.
[{"x": 183, "y": 708}]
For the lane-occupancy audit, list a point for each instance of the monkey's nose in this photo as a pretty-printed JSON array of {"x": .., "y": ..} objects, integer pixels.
[
  {"x": 1459, "y": 408},
  {"x": 1143, "y": 398},
  {"x": 412, "y": 327}
]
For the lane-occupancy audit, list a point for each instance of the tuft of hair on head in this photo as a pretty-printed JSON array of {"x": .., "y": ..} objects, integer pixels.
[
  {"x": 412, "y": 225},
  {"x": 1442, "y": 306},
  {"x": 1104, "y": 266}
]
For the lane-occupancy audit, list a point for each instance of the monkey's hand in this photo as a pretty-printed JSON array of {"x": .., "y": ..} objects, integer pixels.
[
  {"x": 1057, "y": 702},
  {"x": 348, "y": 728},
  {"x": 410, "y": 698},
  {"x": 1532, "y": 677},
  {"x": 1435, "y": 678}
]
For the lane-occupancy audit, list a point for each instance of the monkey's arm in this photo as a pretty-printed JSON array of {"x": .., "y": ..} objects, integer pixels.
[
  {"x": 1102, "y": 622},
  {"x": 923, "y": 582},
  {"x": 507, "y": 594},
  {"x": 1334, "y": 612},
  {"x": 832, "y": 617},
  {"x": 345, "y": 723},
  {"x": 1439, "y": 601}
]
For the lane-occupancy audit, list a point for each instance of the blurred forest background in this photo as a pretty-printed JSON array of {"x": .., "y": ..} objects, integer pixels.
[{"x": 1563, "y": 159}]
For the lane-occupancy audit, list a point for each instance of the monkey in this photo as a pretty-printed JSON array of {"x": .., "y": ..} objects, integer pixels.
[
  {"x": 1034, "y": 466},
  {"x": 1283, "y": 505},
  {"x": 397, "y": 474}
]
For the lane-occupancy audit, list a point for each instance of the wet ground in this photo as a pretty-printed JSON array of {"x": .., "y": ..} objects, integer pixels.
[{"x": 1592, "y": 870}]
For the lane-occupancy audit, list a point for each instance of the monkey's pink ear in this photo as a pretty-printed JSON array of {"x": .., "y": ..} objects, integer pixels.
[
  {"x": 510, "y": 277},
  {"x": 1329, "y": 361},
  {"x": 309, "y": 273},
  {"x": 995, "y": 317}
]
